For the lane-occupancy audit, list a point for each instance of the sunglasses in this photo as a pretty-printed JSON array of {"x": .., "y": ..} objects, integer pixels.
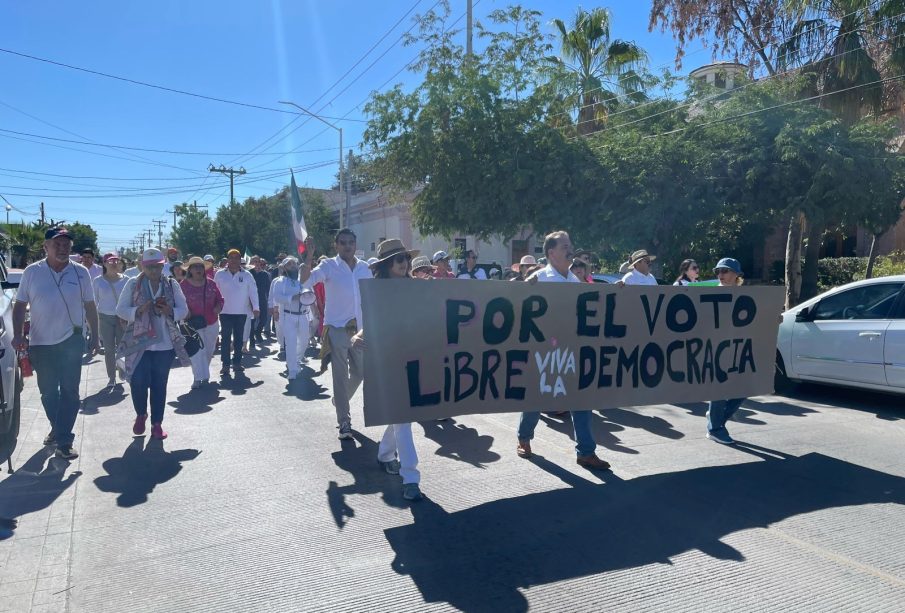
[
  {"x": 402, "y": 257},
  {"x": 723, "y": 271}
]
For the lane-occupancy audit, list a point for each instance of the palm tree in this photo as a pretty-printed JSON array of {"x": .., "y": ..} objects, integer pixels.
[
  {"x": 847, "y": 45},
  {"x": 595, "y": 73}
]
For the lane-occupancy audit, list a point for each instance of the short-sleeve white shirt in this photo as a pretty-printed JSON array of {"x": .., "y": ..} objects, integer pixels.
[
  {"x": 341, "y": 288},
  {"x": 548, "y": 274},
  {"x": 633, "y": 277},
  {"x": 57, "y": 300}
]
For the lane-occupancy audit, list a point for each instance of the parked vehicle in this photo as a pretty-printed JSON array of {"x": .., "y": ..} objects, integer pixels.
[
  {"x": 602, "y": 277},
  {"x": 853, "y": 336},
  {"x": 10, "y": 377}
]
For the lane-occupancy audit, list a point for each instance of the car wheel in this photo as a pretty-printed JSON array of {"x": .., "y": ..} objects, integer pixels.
[{"x": 781, "y": 382}]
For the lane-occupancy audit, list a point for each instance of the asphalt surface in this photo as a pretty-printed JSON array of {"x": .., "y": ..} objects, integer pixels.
[{"x": 252, "y": 504}]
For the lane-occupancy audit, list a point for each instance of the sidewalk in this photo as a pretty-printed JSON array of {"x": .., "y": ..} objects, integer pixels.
[{"x": 252, "y": 504}]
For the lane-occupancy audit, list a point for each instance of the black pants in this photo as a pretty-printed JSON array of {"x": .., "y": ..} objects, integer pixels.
[{"x": 231, "y": 326}]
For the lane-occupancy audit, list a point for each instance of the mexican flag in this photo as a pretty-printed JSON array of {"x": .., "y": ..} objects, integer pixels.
[{"x": 298, "y": 220}]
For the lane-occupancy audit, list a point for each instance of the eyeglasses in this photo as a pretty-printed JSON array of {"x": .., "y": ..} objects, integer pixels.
[
  {"x": 402, "y": 257},
  {"x": 645, "y": 260},
  {"x": 723, "y": 271}
]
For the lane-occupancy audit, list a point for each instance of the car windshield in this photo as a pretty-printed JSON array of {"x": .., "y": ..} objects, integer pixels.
[{"x": 866, "y": 302}]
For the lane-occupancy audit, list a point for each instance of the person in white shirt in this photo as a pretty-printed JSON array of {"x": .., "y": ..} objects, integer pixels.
[
  {"x": 61, "y": 302},
  {"x": 94, "y": 271},
  {"x": 107, "y": 289},
  {"x": 133, "y": 271},
  {"x": 342, "y": 317},
  {"x": 152, "y": 304},
  {"x": 558, "y": 251},
  {"x": 238, "y": 289},
  {"x": 639, "y": 273},
  {"x": 294, "y": 301},
  {"x": 274, "y": 309}
]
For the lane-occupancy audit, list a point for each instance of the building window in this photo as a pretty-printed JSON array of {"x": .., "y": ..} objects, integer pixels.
[
  {"x": 719, "y": 80},
  {"x": 459, "y": 247}
]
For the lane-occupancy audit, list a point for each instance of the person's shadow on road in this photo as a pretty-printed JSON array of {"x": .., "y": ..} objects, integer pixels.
[
  {"x": 141, "y": 468},
  {"x": 459, "y": 442},
  {"x": 106, "y": 397},
  {"x": 304, "y": 387},
  {"x": 501, "y": 548},
  {"x": 34, "y": 486},
  {"x": 238, "y": 384},
  {"x": 195, "y": 402},
  {"x": 361, "y": 462}
]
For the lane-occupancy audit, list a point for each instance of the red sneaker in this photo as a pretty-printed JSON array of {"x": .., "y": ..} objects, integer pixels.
[
  {"x": 138, "y": 427},
  {"x": 157, "y": 432}
]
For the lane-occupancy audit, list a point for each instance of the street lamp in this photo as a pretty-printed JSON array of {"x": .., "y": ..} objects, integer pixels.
[
  {"x": 342, "y": 174},
  {"x": 8, "y": 209}
]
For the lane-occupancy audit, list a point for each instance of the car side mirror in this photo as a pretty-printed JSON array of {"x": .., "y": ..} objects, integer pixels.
[{"x": 804, "y": 315}]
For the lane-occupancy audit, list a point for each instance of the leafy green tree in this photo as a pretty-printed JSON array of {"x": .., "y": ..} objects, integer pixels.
[
  {"x": 319, "y": 221},
  {"x": 83, "y": 236},
  {"x": 594, "y": 71},
  {"x": 359, "y": 176},
  {"x": 194, "y": 231}
]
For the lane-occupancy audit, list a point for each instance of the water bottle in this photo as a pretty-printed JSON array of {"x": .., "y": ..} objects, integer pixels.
[{"x": 25, "y": 364}]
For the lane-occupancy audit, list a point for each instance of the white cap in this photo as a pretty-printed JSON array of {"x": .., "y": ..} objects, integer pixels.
[{"x": 152, "y": 256}]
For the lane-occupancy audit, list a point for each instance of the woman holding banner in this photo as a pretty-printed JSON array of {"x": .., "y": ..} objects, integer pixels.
[
  {"x": 394, "y": 261},
  {"x": 729, "y": 273}
]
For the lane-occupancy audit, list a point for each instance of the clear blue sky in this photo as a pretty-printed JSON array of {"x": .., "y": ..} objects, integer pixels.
[{"x": 256, "y": 52}]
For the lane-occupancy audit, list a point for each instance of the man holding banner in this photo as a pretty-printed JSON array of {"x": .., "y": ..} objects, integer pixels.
[
  {"x": 558, "y": 251},
  {"x": 342, "y": 318}
]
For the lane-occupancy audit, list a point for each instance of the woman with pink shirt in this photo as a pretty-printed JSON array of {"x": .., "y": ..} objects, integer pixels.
[{"x": 205, "y": 303}]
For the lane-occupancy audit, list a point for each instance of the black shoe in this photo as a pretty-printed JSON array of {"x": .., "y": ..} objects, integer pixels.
[
  {"x": 224, "y": 372},
  {"x": 50, "y": 439},
  {"x": 238, "y": 368},
  {"x": 66, "y": 452}
]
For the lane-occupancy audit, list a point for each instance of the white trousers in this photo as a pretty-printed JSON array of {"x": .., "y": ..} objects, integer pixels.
[
  {"x": 397, "y": 440},
  {"x": 295, "y": 334},
  {"x": 201, "y": 361},
  {"x": 279, "y": 321}
]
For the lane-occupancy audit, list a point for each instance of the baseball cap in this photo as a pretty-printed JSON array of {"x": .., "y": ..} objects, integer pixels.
[
  {"x": 55, "y": 232},
  {"x": 440, "y": 255},
  {"x": 152, "y": 256},
  {"x": 110, "y": 256}
]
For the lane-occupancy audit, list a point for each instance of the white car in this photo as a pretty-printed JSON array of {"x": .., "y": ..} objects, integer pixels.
[
  {"x": 10, "y": 378},
  {"x": 853, "y": 335}
]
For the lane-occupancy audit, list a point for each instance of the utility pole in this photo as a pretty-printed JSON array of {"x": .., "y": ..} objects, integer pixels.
[
  {"x": 160, "y": 225},
  {"x": 196, "y": 206},
  {"x": 42, "y": 213},
  {"x": 174, "y": 211},
  {"x": 228, "y": 171},
  {"x": 348, "y": 187},
  {"x": 141, "y": 241},
  {"x": 150, "y": 240},
  {"x": 468, "y": 29}
]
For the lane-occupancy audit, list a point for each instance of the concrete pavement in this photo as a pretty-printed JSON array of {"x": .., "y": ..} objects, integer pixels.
[{"x": 252, "y": 504}]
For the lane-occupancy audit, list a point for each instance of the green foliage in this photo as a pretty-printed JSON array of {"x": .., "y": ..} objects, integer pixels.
[
  {"x": 833, "y": 272},
  {"x": 194, "y": 231},
  {"x": 83, "y": 235},
  {"x": 320, "y": 222},
  {"x": 892, "y": 264}
]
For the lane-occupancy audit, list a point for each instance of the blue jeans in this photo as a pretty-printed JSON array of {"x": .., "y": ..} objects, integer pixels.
[
  {"x": 581, "y": 421},
  {"x": 59, "y": 372},
  {"x": 721, "y": 411},
  {"x": 231, "y": 326},
  {"x": 151, "y": 375}
]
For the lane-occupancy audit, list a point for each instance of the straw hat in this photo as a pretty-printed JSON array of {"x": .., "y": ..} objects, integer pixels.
[
  {"x": 392, "y": 247},
  {"x": 196, "y": 260},
  {"x": 422, "y": 261},
  {"x": 527, "y": 260},
  {"x": 640, "y": 255}
]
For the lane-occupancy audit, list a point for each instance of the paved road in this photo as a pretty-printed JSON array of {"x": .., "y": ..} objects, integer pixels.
[{"x": 252, "y": 504}]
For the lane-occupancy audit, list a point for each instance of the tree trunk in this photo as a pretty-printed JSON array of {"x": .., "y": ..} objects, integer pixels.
[
  {"x": 809, "y": 286},
  {"x": 871, "y": 257},
  {"x": 793, "y": 260}
]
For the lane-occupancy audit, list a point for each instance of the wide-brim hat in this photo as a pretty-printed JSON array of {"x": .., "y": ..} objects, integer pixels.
[
  {"x": 640, "y": 255},
  {"x": 194, "y": 260},
  {"x": 152, "y": 256},
  {"x": 422, "y": 261},
  {"x": 624, "y": 267},
  {"x": 527, "y": 260},
  {"x": 391, "y": 248},
  {"x": 732, "y": 264}
]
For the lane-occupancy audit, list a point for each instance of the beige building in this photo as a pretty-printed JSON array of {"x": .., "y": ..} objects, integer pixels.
[{"x": 374, "y": 217}]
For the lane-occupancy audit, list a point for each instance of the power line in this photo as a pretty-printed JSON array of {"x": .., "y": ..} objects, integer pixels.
[
  {"x": 151, "y": 85},
  {"x": 168, "y": 151}
]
